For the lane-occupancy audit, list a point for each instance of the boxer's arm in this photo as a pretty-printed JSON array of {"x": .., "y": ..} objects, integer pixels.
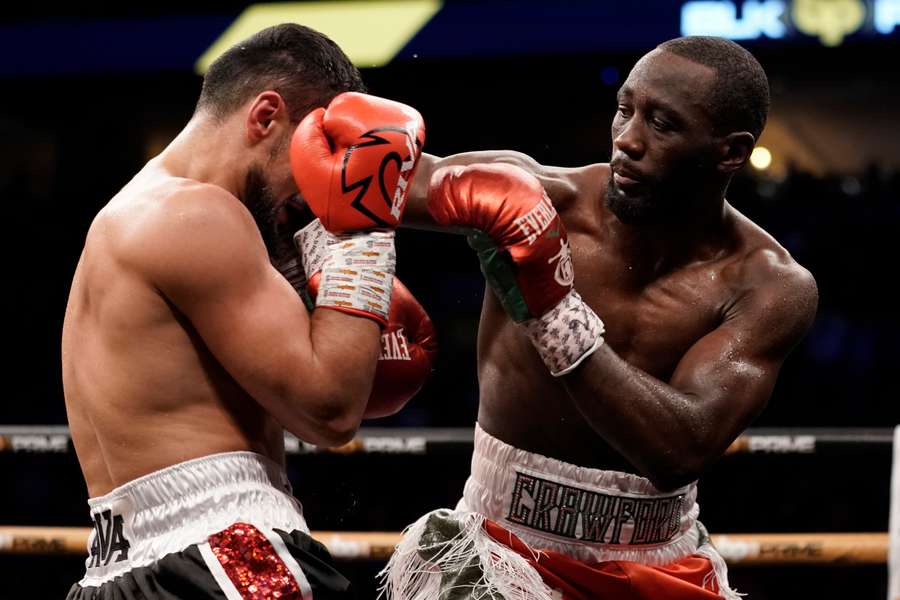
[
  {"x": 313, "y": 374},
  {"x": 562, "y": 184},
  {"x": 671, "y": 431}
]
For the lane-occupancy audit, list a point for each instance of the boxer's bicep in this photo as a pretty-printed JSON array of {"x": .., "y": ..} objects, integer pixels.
[
  {"x": 732, "y": 371},
  {"x": 213, "y": 266}
]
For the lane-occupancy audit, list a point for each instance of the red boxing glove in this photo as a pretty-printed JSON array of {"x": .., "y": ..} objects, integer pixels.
[
  {"x": 524, "y": 254},
  {"x": 353, "y": 161},
  {"x": 408, "y": 352},
  {"x": 521, "y": 242}
]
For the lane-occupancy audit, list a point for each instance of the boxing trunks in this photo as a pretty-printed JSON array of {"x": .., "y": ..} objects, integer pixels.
[
  {"x": 532, "y": 527},
  {"x": 223, "y": 526}
]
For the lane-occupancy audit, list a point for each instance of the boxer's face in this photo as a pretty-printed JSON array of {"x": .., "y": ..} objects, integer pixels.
[
  {"x": 267, "y": 187},
  {"x": 664, "y": 140},
  {"x": 264, "y": 205}
]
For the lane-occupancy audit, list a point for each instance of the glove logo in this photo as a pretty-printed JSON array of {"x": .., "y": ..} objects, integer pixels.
[
  {"x": 565, "y": 272},
  {"x": 536, "y": 221},
  {"x": 394, "y": 346},
  {"x": 394, "y": 173}
]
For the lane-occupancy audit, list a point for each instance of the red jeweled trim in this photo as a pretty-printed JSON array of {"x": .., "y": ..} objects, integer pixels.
[{"x": 252, "y": 564}]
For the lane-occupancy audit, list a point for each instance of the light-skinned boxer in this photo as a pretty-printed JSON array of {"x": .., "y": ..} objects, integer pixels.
[{"x": 186, "y": 354}]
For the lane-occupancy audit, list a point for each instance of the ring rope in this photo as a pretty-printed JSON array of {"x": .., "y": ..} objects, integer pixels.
[
  {"x": 745, "y": 549},
  {"x": 383, "y": 440}
]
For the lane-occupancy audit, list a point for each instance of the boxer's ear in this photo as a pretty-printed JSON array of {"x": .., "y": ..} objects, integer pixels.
[
  {"x": 735, "y": 151},
  {"x": 264, "y": 115}
]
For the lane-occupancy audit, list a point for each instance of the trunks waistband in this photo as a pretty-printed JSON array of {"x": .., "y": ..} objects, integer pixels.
[
  {"x": 170, "y": 509},
  {"x": 589, "y": 514}
]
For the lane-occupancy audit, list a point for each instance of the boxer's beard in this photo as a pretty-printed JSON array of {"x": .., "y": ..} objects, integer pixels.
[
  {"x": 262, "y": 204},
  {"x": 644, "y": 208},
  {"x": 658, "y": 201}
]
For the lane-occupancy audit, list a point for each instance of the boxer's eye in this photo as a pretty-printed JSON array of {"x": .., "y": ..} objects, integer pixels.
[{"x": 660, "y": 125}]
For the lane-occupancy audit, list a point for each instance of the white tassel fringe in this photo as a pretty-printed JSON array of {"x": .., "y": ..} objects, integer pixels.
[{"x": 503, "y": 572}]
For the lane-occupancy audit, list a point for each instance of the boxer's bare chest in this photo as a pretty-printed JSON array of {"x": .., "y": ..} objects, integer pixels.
[
  {"x": 653, "y": 310},
  {"x": 651, "y": 319}
]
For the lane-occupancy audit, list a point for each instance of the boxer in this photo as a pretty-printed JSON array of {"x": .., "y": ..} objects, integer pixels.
[
  {"x": 636, "y": 326},
  {"x": 186, "y": 354}
]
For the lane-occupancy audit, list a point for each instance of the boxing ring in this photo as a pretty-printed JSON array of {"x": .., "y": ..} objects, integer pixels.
[
  {"x": 748, "y": 549},
  {"x": 753, "y": 549}
]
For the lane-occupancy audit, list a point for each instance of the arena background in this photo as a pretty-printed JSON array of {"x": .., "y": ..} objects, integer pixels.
[{"x": 91, "y": 92}]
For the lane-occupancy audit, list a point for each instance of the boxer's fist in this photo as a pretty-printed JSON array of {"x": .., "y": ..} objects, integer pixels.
[
  {"x": 524, "y": 253},
  {"x": 408, "y": 351},
  {"x": 355, "y": 271},
  {"x": 520, "y": 240},
  {"x": 354, "y": 160}
]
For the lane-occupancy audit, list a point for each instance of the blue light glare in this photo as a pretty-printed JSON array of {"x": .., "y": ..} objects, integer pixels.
[{"x": 610, "y": 76}]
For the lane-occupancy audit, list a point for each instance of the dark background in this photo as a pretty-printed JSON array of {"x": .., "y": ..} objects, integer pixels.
[{"x": 70, "y": 140}]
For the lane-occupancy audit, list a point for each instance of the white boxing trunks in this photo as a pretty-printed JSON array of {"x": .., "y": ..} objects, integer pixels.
[
  {"x": 224, "y": 525},
  {"x": 529, "y": 526}
]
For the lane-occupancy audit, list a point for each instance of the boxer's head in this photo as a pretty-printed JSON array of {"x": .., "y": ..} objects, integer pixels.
[
  {"x": 261, "y": 88},
  {"x": 689, "y": 115}
]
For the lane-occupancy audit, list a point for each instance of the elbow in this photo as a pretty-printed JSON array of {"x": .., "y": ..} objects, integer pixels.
[
  {"x": 336, "y": 432},
  {"x": 681, "y": 460},
  {"x": 336, "y": 419}
]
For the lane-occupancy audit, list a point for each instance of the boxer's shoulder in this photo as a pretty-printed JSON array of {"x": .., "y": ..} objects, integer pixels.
[
  {"x": 756, "y": 252},
  {"x": 763, "y": 272},
  {"x": 590, "y": 181},
  {"x": 180, "y": 201},
  {"x": 164, "y": 225},
  {"x": 772, "y": 271},
  {"x": 153, "y": 199},
  {"x": 577, "y": 193}
]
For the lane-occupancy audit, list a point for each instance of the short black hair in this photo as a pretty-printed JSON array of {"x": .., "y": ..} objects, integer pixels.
[
  {"x": 740, "y": 97},
  {"x": 304, "y": 66}
]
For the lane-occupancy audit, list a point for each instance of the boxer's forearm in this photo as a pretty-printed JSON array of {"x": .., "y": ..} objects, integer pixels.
[
  {"x": 659, "y": 429},
  {"x": 554, "y": 180},
  {"x": 416, "y": 215},
  {"x": 344, "y": 354}
]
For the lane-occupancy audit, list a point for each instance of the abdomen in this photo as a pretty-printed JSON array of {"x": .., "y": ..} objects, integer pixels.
[{"x": 521, "y": 404}]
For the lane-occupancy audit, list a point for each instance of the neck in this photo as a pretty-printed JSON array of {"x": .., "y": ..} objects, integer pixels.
[
  {"x": 208, "y": 152},
  {"x": 657, "y": 248}
]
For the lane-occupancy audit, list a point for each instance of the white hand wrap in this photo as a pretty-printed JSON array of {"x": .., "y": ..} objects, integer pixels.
[
  {"x": 566, "y": 334},
  {"x": 357, "y": 268},
  {"x": 312, "y": 243}
]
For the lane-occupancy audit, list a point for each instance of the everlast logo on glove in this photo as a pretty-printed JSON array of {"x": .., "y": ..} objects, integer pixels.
[
  {"x": 537, "y": 220},
  {"x": 394, "y": 346},
  {"x": 108, "y": 539}
]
